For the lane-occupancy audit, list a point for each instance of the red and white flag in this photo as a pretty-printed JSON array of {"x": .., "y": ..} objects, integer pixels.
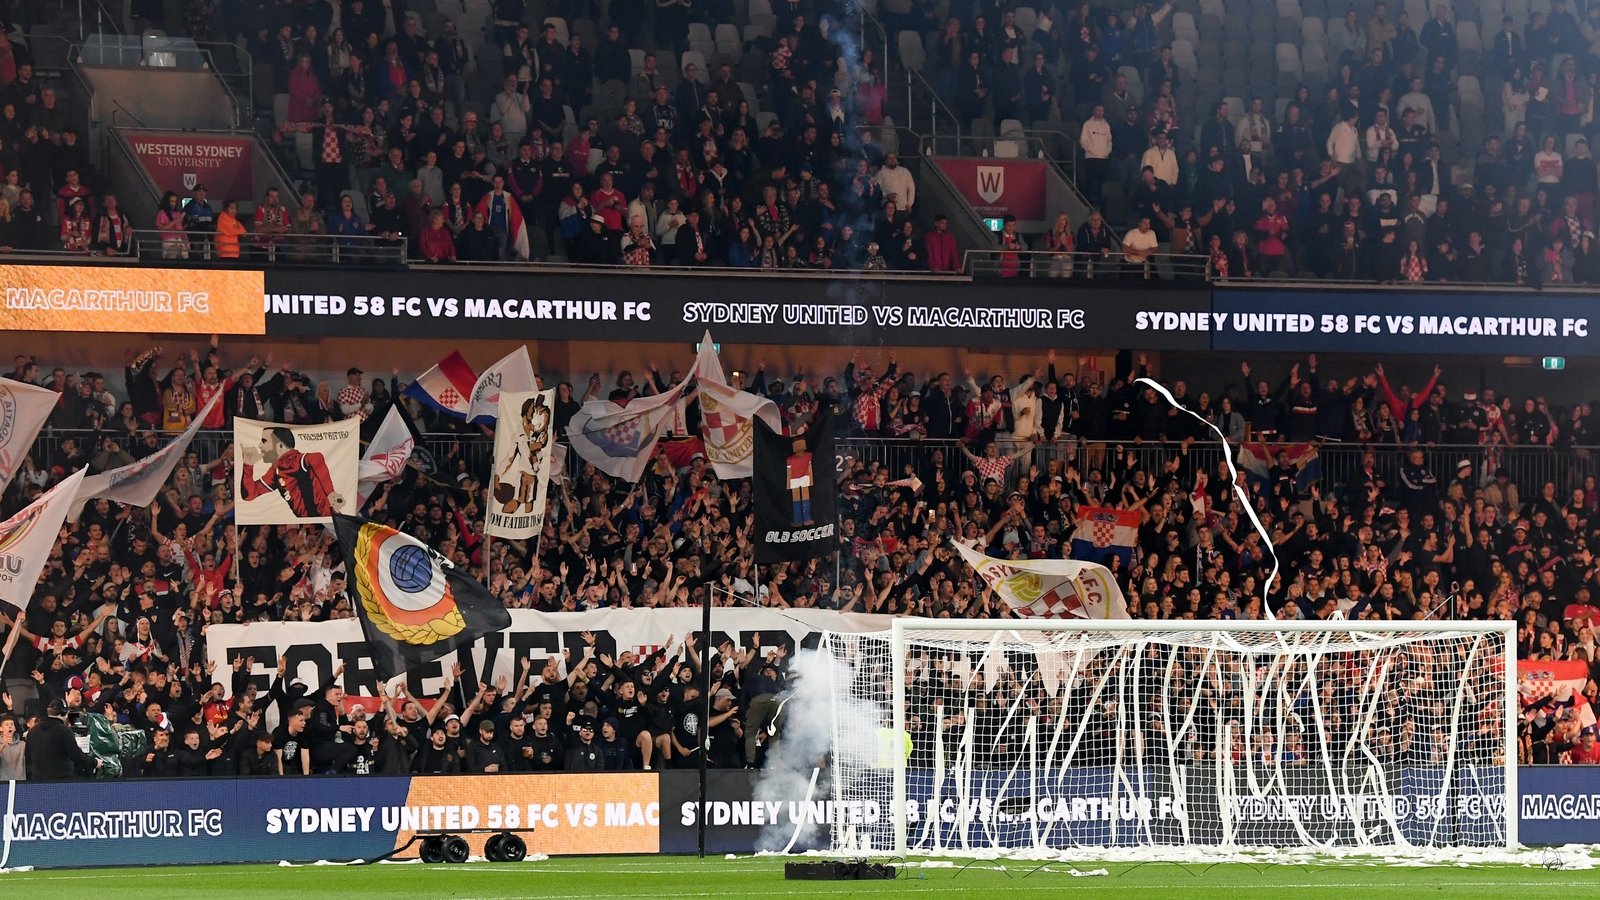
[
  {"x": 726, "y": 415},
  {"x": 1050, "y": 588},
  {"x": 513, "y": 374},
  {"x": 385, "y": 457},
  {"x": 23, "y": 410},
  {"x": 26, "y": 539}
]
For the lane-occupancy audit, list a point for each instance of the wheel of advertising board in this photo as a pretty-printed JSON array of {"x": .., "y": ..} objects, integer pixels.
[
  {"x": 455, "y": 849},
  {"x": 491, "y": 849},
  {"x": 432, "y": 849},
  {"x": 512, "y": 848}
]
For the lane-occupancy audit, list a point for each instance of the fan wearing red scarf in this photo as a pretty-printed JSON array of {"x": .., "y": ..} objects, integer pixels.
[{"x": 301, "y": 478}]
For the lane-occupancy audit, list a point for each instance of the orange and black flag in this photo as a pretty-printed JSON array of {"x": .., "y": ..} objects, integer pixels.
[{"x": 413, "y": 604}]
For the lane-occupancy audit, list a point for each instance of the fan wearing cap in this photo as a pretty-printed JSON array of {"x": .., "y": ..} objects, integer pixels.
[
  {"x": 585, "y": 754},
  {"x": 52, "y": 753},
  {"x": 484, "y": 754},
  {"x": 438, "y": 756}
]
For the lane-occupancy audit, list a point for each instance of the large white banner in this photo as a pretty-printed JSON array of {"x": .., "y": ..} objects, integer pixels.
[
  {"x": 514, "y": 372},
  {"x": 26, "y": 539},
  {"x": 727, "y": 416},
  {"x": 138, "y": 483},
  {"x": 524, "y": 436},
  {"x": 292, "y": 474},
  {"x": 314, "y": 649},
  {"x": 23, "y": 410}
]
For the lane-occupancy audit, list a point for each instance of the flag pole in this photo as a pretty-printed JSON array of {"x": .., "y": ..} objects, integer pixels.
[
  {"x": 705, "y": 722},
  {"x": 488, "y": 540}
]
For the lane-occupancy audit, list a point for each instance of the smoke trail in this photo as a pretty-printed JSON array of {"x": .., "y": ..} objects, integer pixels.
[{"x": 805, "y": 741}]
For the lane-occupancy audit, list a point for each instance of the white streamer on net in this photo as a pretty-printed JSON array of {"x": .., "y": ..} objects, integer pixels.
[{"x": 1233, "y": 473}]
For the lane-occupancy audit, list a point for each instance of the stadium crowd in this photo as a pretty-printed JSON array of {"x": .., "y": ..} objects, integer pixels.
[{"x": 1416, "y": 530}]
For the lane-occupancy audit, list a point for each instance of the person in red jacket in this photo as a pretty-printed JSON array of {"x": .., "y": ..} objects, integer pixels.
[
  {"x": 435, "y": 242},
  {"x": 942, "y": 256}
]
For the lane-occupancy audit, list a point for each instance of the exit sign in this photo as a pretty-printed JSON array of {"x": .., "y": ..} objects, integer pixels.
[
  {"x": 1555, "y": 363},
  {"x": 994, "y": 224}
]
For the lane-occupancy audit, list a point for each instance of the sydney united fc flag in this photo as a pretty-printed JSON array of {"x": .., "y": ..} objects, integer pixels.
[{"x": 413, "y": 604}]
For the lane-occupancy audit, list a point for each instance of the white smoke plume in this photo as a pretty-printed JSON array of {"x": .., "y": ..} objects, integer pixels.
[{"x": 805, "y": 742}]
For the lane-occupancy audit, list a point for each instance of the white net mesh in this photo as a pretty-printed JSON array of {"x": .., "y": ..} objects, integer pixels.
[{"x": 1052, "y": 740}]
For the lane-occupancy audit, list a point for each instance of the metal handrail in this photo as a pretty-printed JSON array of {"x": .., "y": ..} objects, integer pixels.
[
  {"x": 1046, "y": 264},
  {"x": 166, "y": 247}
]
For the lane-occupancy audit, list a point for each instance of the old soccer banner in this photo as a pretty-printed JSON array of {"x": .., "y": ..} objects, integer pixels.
[
  {"x": 295, "y": 474},
  {"x": 523, "y": 440},
  {"x": 796, "y": 492}
]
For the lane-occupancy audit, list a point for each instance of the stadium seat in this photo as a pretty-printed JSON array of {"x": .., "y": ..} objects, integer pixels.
[
  {"x": 1010, "y": 127},
  {"x": 912, "y": 56}
]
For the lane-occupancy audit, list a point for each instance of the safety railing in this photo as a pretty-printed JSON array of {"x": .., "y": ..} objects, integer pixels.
[
  {"x": 276, "y": 249},
  {"x": 1113, "y": 265}
]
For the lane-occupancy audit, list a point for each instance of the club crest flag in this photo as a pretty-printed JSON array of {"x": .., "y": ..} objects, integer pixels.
[
  {"x": 726, "y": 416},
  {"x": 138, "y": 483},
  {"x": 1050, "y": 588},
  {"x": 23, "y": 410},
  {"x": 1103, "y": 532},
  {"x": 413, "y": 605},
  {"x": 524, "y": 438},
  {"x": 512, "y": 373},
  {"x": 386, "y": 456},
  {"x": 295, "y": 474},
  {"x": 796, "y": 492},
  {"x": 620, "y": 440},
  {"x": 27, "y": 537}
]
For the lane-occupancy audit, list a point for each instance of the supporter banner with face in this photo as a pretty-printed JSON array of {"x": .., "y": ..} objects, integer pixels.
[
  {"x": 797, "y": 309},
  {"x": 238, "y": 820},
  {"x": 314, "y": 649},
  {"x": 131, "y": 299},
  {"x": 794, "y": 497},
  {"x": 179, "y": 161},
  {"x": 295, "y": 474},
  {"x": 523, "y": 440}
]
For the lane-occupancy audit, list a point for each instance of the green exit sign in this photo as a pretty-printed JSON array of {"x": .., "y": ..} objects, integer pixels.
[
  {"x": 994, "y": 224},
  {"x": 1555, "y": 363}
]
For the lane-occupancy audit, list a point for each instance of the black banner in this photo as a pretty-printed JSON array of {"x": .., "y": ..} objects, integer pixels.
[
  {"x": 663, "y": 306},
  {"x": 794, "y": 496}
]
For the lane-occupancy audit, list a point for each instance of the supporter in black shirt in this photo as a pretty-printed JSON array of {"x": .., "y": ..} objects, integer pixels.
[{"x": 484, "y": 755}]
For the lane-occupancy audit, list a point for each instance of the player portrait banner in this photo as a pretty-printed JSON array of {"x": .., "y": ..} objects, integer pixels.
[
  {"x": 1050, "y": 588},
  {"x": 413, "y": 604},
  {"x": 524, "y": 438},
  {"x": 795, "y": 492},
  {"x": 295, "y": 474},
  {"x": 138, "y": 483},
  {"x": 23, "y": 410},
  {"x": 26, "y": 539}
]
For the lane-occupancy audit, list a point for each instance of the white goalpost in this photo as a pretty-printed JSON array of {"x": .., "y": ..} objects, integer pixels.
[{"x": 992, "y": 737}]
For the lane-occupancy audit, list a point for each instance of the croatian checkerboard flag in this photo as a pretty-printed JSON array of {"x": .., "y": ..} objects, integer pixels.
[
  {"x": 447, "y": 386},
  {"x": 726, "y": 415},
  {"x": 1050, "y": 588},
  {"x": 620, "y": 440},
  {"x": 1103, "y": 531}
]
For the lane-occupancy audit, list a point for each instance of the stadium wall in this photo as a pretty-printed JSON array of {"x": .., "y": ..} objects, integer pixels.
[{"x": 265, "y": 820}]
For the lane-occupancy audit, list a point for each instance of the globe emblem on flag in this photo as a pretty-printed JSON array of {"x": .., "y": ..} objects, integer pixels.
[{"x": 410, "y": 569}]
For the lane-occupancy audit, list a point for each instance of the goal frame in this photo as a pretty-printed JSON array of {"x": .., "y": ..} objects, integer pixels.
[{"x": 902, "y": 627}]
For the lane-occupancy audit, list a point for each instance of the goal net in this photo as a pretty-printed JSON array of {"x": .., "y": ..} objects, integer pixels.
[{"x": 1035, "y": 738}]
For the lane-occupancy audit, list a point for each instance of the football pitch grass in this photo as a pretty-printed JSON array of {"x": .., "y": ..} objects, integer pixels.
[{"x": 666, "y": 877}]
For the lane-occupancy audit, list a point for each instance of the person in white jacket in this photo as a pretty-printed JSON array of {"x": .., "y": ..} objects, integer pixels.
[{"x": 896, "y": 182}]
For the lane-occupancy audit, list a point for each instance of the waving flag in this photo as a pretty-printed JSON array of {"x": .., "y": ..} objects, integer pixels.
[
  {"x": 413, "y": 604},
  {"x": 447, "y": 386},
  {"x": 1050, "y": 588},
  {"x": 386, "y": 455},
  {"x": 513, "y": 373},
  {"x": 1257, "y": 459},
  {"x": 524, "y": 441},
  {"x": 23, "y": 410},
  {"x": 726, "y": 415},
  {"x": 619, "y": 440},
  {"x": 1102, "y": 531},
  {"x": 26, "y": 539},
  {"x": 138, "y": 483}
]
